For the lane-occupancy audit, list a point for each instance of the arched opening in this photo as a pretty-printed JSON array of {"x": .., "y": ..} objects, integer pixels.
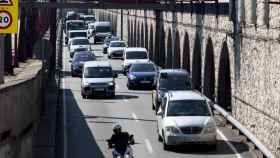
[
  {"x": 135, "y": 34},
  {"x": 168, "y": 61},
  {"x": 209, "y": 71},
  {"x": 142, "y": 36},
  {"x": 224, "y": 80},
  {"x": 128, "y": 32},
  {"x": 177, "y": 54},
  {"x": 186, "y": 53},
  {"x": 151, "y": 48},
  {"x": 196, "y": 65},
  {"x": 161, "y": 55},
  {"x": 146, "y": 36},
  {"x": 138, "y": 35}
]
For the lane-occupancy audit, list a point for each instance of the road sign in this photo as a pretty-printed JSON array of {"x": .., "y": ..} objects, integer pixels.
[{"x": 8, "y": 16}]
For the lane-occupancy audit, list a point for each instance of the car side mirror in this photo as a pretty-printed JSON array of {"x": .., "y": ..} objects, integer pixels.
[
  {"x": 70, "y": 61},
  {"x": 160, "y": 113}
]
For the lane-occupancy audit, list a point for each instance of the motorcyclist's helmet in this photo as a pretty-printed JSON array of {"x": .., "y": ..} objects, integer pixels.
[{"x": 117, "y": 128}]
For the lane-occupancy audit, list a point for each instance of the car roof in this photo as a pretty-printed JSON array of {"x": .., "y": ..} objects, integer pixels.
[
  {"x": 102, "y": 23},
  {"x": 174, "y": 71},
  {"x": 77, "y": 31},
  {"x": 135, "y": 49},
  {"x": 78, "y": 38},
  {"x": 117, "y": 42},
  {"x": 185, "y": 95},
  {"x": 88, "y": 15},
  {"x": 74, "y": 21},
  {"x": 97, "y": 64}
]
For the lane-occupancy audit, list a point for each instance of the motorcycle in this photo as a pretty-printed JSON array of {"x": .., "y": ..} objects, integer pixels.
[{"x": 128, "y": 151}]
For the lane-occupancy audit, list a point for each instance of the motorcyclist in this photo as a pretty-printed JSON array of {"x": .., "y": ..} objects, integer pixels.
[{"x": 121, "y": 141}]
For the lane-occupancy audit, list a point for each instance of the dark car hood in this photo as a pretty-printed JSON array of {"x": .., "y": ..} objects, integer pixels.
[{"x": 140, "y": 74}]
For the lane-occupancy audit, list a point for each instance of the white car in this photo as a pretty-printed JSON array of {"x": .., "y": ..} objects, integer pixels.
[
  {"x": 76, "y": 34},
  {"x": 134, "y": 55},
  {"x": 98, "y": 77},
  {"x": 185, "y": 117},
  {"x": 116, "y": 49},
  {"x": 79, "y": 44}
]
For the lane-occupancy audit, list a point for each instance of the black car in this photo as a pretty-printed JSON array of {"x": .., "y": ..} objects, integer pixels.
[
  {"x": 170, "y": 79},
  {"x": 141, "y": 75},
  {"x": 78, "y": 62}
]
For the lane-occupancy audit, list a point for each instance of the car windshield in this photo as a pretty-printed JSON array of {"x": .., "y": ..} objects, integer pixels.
[
  {"x": 78, "y": 34},
  {"x": 174, "y": 82},
  {"x": 80, "y": 42},
  {"x": 118, "y": 44},
  {"x": 76, "y": 26},
  {"x": 89, "y": 18},
  {"x": 103, "y": 29},
  {"x": 83, "y": 57},
  {"x": 142, "y": 68},
  {"x": 188, "y": 108},
  {"x": 98, "y": 72},
  {"x": 136, "y": 55}
]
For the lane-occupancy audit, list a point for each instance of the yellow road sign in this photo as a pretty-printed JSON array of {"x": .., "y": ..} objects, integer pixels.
[{"x": 8, "y": 16}]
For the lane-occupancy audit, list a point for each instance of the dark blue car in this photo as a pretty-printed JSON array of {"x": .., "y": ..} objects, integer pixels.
[{"x": 141, "y": 75}]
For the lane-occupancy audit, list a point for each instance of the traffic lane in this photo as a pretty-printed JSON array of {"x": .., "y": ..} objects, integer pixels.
[
  {"x": 99, "y": 115},
  {"x": 223, "y": 149}
]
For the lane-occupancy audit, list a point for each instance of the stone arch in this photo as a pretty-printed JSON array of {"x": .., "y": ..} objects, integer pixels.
[
  {"x": 186, "y": 53},
  {"x": 224, "y": 79},
  {"x": 142, "y": 36},
  {"x": 209, "y": 71},
  {"x": 177, "y": 54},
  {"x": 196, "y": 64},
  {"x": 151, "y": 44},
  {"x": 162, "y": 50},
  {"x": 168, "y": 61}
]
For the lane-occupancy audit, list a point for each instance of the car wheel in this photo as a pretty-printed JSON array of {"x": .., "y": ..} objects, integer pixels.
[
  {"x": 83, "y": 95},
  {"x": 153, "y": 106},
  {"x": 165, "y": 146},
  {"x": 212, "y": 147},
  {"x": 159, "y": 137},
  {"x": 109, "y": 57}
]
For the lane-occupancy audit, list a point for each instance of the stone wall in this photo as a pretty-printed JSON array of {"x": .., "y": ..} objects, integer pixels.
[
  {"x": 20, "y": 100},
  {"x": 246, "y": 84}
]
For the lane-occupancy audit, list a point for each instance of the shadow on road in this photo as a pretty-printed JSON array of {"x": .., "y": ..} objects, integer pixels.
[
  {"x": 222, "y": 149},
  {"x": 81, "y": 142}
]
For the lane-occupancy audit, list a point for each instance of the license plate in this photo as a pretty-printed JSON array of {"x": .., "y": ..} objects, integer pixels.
[
  {"x": 99, "y": 89},
  {"x": 145, "y": 81}
]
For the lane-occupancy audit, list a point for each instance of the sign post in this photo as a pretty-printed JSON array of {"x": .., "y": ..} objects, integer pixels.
[{"x": 1, "y": 59}]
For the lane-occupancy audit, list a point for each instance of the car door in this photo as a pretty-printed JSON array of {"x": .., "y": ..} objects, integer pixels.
[{"x": 160, "y": 118}]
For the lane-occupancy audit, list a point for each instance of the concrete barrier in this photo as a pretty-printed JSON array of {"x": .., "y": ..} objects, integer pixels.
[{"x": 20, "y": 106}]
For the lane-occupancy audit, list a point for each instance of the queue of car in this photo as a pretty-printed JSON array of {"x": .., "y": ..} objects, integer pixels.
[{"x": 183, "y": 115}]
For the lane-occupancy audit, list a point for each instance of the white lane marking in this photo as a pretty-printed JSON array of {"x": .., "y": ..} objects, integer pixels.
[
  {"x": 231, "y": 146},
  {"x": 149, "y": 146},
  {"x": 134, "y": 116}
]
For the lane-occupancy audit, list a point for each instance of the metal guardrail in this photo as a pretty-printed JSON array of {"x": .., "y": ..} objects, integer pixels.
[{"x": 266, "y": 152}]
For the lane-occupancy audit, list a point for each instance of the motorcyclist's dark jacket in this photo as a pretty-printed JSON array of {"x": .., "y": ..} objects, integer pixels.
[{"x": 120, "y": 142}]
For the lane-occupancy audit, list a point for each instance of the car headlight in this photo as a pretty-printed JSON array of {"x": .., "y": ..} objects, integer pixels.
[
  {"x": 86, "y": 83},
  {"x": 111, "y": 83},
  {"x": 172, "y": 130},
  {"x": 132, "y": 77},
  {"x": 210, "y": 129}
]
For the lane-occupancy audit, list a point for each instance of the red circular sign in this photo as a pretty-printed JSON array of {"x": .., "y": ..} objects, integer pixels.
[{"x": 5, "y": 19}]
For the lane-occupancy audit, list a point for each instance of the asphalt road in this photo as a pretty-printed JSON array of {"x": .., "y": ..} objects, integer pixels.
[{"x": 88, "y": 123}]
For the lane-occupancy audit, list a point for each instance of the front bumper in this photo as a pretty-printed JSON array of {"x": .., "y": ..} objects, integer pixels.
[
  {"x": 191, "y": 139},
  {"x": 116, "y": 54},
  {"x": 99, "y": 38},
  {"x": 141, "y": 83},
  {"x": 92, "y": 90}
]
